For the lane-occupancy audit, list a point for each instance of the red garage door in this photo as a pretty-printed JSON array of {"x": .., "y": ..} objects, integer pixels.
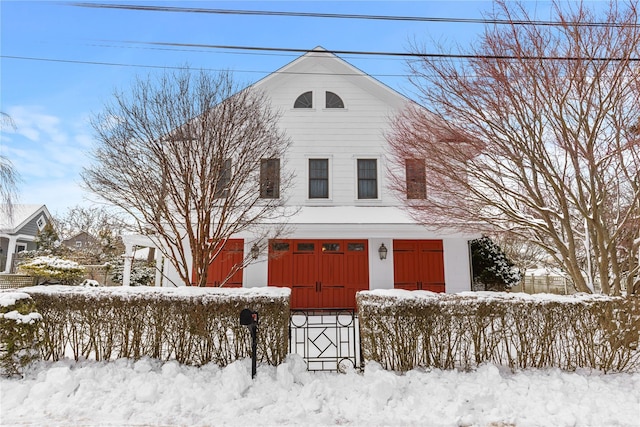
[
  {"x": 227, "y": 265},
  {"x": 320, "y": 273},
  {"x": 418, "y": 264}
]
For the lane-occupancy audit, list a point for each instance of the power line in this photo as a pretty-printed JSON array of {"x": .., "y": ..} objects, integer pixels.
[
  {"x": 374, "y": 53},
  {"x": 344, "y": 16},
  {"x": 116, "y": 64}
]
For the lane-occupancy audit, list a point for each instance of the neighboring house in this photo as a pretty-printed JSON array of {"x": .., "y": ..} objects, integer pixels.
[
  {"x": 350, "y": 233},
  {"x": 19, "y": 230},
  {"x": 81, "y": 240}
]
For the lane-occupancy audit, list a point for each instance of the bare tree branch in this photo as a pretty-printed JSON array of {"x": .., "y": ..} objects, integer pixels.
[
  {"x": 181, "y": 154},
  {"x": 540, "y": 149}
]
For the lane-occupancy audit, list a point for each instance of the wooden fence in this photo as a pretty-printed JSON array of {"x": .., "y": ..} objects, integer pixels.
[{"x": 545, "y": 284}]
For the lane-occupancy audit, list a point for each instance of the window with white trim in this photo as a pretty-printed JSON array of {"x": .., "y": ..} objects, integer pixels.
[
  {"x": 318, "y": 178},
  {"x": 224, "y": 179},
  {"x": 41, "y": 223},
  {"x": 367, "y": 178},
  {"x": 304, "y": 101},
  {"x": 333, "y": 101},
  {"x": 270, "y": 178}
]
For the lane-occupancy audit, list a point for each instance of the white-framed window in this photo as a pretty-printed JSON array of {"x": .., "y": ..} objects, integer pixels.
[
  {"x": 224, "y": 178},
  {"x": 318, "y": 178},
  {"x": 270, "y": 178},
  {"x": 304, "y": 100},
  {"x": 41, "y": 222},
  {"x": 367, "y": 178},
  {"x": 332, "y": 100},
  {"x": 78, "y": 243},
  {"x": 21, "y": 248}
]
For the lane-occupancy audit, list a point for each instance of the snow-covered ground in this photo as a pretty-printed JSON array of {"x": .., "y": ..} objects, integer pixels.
[{"x": 152, "y": 393}]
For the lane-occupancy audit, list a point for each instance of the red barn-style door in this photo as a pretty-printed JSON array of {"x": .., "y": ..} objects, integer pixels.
[
  {"x": 321, "y": 273},
  {"x": 418, "y": 265},
  {"x": 230, "y": 257}
]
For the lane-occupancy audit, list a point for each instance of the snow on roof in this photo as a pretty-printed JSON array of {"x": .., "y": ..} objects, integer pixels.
[{"x": 20, "y": 215}]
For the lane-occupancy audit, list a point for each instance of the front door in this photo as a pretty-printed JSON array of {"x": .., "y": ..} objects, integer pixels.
[
  {"x": 321, "y": 273},
  {"x": 418, "y": 265}
]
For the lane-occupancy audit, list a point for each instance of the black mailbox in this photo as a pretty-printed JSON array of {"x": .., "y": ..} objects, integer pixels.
[{"x": 249, "y": 319}]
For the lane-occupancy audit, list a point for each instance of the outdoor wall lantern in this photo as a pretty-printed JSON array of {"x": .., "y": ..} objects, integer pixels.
[
  {"x": 255, "y": 251},
  {"x": 382, "y": 251}
]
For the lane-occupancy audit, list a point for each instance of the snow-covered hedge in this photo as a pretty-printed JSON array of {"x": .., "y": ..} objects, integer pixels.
[
  {"x": 192, "y": 325},
  {"x": 51, "y": 269},
  {"x": 18, "y": 328},
  {"x": 402, "y": 330}
]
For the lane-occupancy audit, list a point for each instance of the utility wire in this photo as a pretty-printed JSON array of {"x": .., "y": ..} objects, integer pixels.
[
  {"x": 373, "y": 53},
  {"x": 116, "y": 64},
  {"x": 344, "y": 15}
]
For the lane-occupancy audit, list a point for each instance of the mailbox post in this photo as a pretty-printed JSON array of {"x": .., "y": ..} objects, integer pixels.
[{"x": 249, "y": 319}]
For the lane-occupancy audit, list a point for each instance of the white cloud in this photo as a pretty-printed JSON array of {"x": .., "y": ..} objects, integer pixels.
[
  {"x": 49, "y": 153},
  {"x": 35, "y": 125}
]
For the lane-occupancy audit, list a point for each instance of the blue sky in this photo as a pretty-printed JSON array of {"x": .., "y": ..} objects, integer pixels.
[{"x": 51, "y": 101}]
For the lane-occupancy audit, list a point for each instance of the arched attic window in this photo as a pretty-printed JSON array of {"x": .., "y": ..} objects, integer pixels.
[
  {"x": 333, "y": 101},
  {"x": 304, "y": 101}
]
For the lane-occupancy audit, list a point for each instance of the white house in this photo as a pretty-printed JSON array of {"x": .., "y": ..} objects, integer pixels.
[
  {"x": 19, "y": 228},
  {"x": 350, "y": 233}
]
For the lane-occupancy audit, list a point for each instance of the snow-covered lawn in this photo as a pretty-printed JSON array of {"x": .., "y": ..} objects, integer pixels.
[{"x": 153, "y": 393}]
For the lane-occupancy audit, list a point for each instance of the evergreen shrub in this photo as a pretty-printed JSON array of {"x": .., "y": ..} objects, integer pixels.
[
  {"x": 19, "y": 323},
  {"x": 53, "y": 270}
]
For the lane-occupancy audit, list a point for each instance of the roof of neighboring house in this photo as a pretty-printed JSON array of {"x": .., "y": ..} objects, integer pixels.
[
  {"x": 20, "y": 215},
  {"x": 82, "y": 235}
]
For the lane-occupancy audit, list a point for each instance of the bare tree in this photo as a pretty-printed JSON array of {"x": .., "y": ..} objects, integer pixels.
[
  {"x": 8, "y": 176},
  {"x": 534, "y": 135},
  {"x": 193, "y": 161}
]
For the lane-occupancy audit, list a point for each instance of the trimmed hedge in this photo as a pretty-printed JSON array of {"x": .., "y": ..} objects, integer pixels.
[
  {"x": 19, "y": 323},
  {"x": 403, "y": 330},
  {"x": 194, "y": 326}
]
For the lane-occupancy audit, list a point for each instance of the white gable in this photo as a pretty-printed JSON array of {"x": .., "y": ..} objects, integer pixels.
[{"x": 341, "y": 135}]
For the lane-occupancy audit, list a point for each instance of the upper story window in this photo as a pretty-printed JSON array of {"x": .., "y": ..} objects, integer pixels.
[
  {"x": 367, "y": 179},
  {"x": 304, "y": 101},
  {"x": 270, "y": 178},
  {"x": 223, "y": 181},
  {"x": 416, "y": 178},
  {"x": 41, "y": 222},
  {"x": 333, "y": 101},
  {"x": 318, "y": 178}
]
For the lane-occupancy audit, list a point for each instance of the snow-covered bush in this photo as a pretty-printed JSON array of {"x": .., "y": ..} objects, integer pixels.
[
  {"x": 53, "y": 270},
  {"x": 492, "y": 270},
  {"x": 18, "y": 332},
  {"x": 142, "y": 273}
]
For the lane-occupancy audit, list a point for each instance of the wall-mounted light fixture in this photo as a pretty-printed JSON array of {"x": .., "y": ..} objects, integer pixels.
[
  {"x": 382, "y": 251},
  {"x": 255, "y": 251}
]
